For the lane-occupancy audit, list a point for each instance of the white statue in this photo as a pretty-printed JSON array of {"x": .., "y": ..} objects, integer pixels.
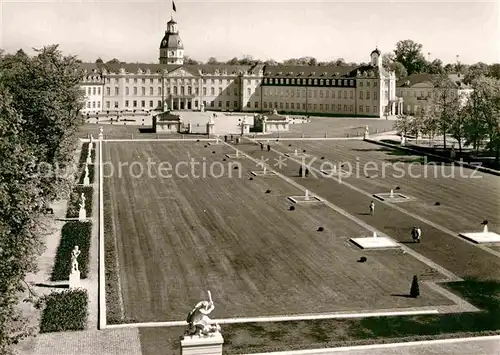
[
  {"x": 198, "y": 321},
  {"x": 202, "y": 107},
  {"x": 101, "y": 130},
  {"x": 366, "y": 130},
  {"x": 82, "y": 202},
  {"x": 74, "y": 256},
  {"x": 86, "y": 172}
]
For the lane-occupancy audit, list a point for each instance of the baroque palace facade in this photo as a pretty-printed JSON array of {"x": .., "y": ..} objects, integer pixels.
[{"x": 368, "y": 90}]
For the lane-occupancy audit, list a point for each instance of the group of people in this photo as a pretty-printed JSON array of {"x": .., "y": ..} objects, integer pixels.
[{"x": 416, "y": 232}]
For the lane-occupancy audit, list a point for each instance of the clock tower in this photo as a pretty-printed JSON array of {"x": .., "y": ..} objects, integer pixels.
[{"x": 171, "y": 46}]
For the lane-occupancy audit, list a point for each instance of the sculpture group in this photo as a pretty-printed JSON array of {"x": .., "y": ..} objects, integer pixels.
[{"x": 199, "y": 324}]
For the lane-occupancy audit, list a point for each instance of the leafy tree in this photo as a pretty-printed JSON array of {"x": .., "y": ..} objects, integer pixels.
[
  {"x": 409, "y": 53},
  {"x": 449, "y": 68},
  {"x": 403, "y": 124},
  {"x": 458, "y": 119},
  {"x": 99, "y": 61},
  {"x": 46, "y": 93},
  {"x": 234, "y": 61},
  {"x": 113, "y": 61},
  {"x": 340, "y": 62},
  {"x": 271, "y": 62},
  {"x": 20, "y": 203},
  {"x": 476, "y": 71},
  {"x": 486, "y": 100},
  {"x": 494, "y": 71},
  {"x": 190, "y": 61},
  {"x": 435, "y": 67},
  {"x": 212, "y": 60},
  {"x": 39, "y": 114},
  {"x": 443, "y": 105}
]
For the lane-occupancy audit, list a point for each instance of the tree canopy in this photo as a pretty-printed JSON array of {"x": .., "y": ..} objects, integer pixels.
[{"x": 39, "y": 114}]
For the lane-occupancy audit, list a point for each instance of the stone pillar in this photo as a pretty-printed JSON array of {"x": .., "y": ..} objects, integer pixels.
[{"x": 202, "y": 345}]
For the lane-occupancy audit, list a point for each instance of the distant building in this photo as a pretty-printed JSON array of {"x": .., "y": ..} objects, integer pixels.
[
  {"x": 368, "y": 90},
  {"x": 417, "y": 89}
]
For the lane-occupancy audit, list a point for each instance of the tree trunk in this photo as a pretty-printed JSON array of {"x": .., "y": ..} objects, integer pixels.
[
  {"x": 444, "y": 140},
  {"x": 459, "y": 144}
]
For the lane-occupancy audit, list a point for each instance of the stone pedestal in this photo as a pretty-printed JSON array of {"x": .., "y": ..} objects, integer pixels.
[
  {"x": 202, "y": 345},
  {"x": 86, "y": 181},
  {"x": 210, "y": 128},
  {"x": 82, "y": 215},
  {"x": 74, "y": 279}
]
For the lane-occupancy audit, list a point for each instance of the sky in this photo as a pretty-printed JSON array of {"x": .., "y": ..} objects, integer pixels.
[{"x": 132, "y": 30}]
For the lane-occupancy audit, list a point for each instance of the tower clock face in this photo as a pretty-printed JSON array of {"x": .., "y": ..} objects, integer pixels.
[
  {"x": 164, "y": 42},
  {"x": 179, "y": 43}
]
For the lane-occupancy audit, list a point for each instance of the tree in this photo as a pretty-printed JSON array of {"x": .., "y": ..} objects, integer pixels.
[
  {"x": 113, "y": 61},
  {"x": 39, "y": 114},
  {"x": 494, "y": 71},
  {"x": 476, "y": 71},
  {"x": 486, "y": 100},
  {"x": 403, "y": 124},
  {"x": 190, "y": 61},
  {"x": 415, "y": 288},
  {"x": 99, "y": 61},
  {"x": 409, "y": 54},
  {"x": 20, "y": 203},
  {"x": 435, "y": 67},
  {"x": 340, "y": 62},
  {"x": 458, "y": 118},
  {"x": 212, "y": 60},
  {"x": 443, "y": 105},
  {"x": 233, "y": 61}
]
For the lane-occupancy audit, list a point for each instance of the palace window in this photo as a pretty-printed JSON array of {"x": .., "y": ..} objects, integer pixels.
[
  {"x": 213, "y": 82},
  {"x": 256, "y": 104},
  {"x": 204, "y": 91},
  {"x": 93, "y": 104},
  {"x": 293, "y": 81},
  {"x": 248, "y": 104},
  {"x": 108, "y": 91},
  {"x": 367, "y": 95},
  {"x": 134, "y": 103},
  {"x": 339, "y": 83},
  {"x": 351, "y": 95},
  {"x": 235, "y": 91},
  {"x": 303, "y": 107},
  {"x": 339, "y": 107},
  {"x": 327, "y": 81},
  {"x": 286, "y": 105},
  {"x": 287, "y": 81},
  {"x": 375, "y": 95},
  {"x": 327, "y": 107},
  {"x": 159, "y": 103},
  {"x": 175, "y": 90},
  {"x": 367, "y": 84},
  {"x": 212, "y": 91},
  {"x": 351, "y": 108},
  {"x": 314, "y": 93},
  {"x": 220, "y": 91},
  {"x": 361, "y": 95},
  {"x": 127, "y": 91},
  {"x": 345, "y": 94},
  {"x": 292, "y": 106},
  {"x": 116, "y": 104},
  {"x": 143, "y": 91},
  {"x": 345, "y": 82},
  {"x": 374, "y": 109},
  {"x": 98, "y": 91},
  {"x": 151, "y": 81},
  {"x": 321, "y": 93},
  {"x": 182, "y": 90},
  {"x": 327, "y": 93},
  {"x": 150, "y": 91},
  {"x": 321, "y": 107},
  {"x": 107, "y": 104},
  {"x": 159, "y": 90},
  {"x": 126, "y": 103},
  {"x": 321, "y": 82},
  {"x": 135, "y": 80},
  {"x": 367, "y": 109},
  {"x": 235, "y": 104},
  {"x": 220, "y": 81},
  {"x": 375, "y": 84},
  {"x": 351, "y": 82},
  {"x": 135, "y": 90},
  {"x": 93, "y": 90},
  {"x": 189, "y": 90},
  {"x": 212, "y": 103},
  {"x": 227, "y": 103},
  {"x": 315, "y": 81},
  {"x": 116, "y": 80},
  {"x": 220, "y": 104},
  {"x": 281, "y": 104},
  {"x": 361, "y": 108},
  {"x": 126, "y": 80},
  {"x": 265, "y": 104},
  {"x": 309, "y": 82}
]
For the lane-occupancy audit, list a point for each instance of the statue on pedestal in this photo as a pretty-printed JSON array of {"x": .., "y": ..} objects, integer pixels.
[
  {"x": 198, "y": 321},
  {"x": 86, "y": 172},
  {"x": 82, "y": 201},
  {"x": 74, "y": 256}
]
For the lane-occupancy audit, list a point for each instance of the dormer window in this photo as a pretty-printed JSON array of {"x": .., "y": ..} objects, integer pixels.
[{"x": 301, "y": 73}]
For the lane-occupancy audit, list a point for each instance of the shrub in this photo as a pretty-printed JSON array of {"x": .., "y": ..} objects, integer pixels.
[
  {"x": 415, "y": 289},
  {"x": 63, "y": 311},
  {"x": 81, "y": 173},
  {"x": 73, "y": 233},
  {"x": 74, "y": 201}
]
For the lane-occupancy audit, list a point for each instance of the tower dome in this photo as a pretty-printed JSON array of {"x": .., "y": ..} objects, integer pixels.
[
  {"x": 171, "y": 46},
  {"x": 376, "y": 58}
]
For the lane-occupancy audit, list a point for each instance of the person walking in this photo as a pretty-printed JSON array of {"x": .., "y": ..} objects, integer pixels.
[
  {"x": 261, "y": 146},
  {"x": 372, "y": 208},
  {"x": 268, "y": 148},
  {"x": 419, "y": 234}
]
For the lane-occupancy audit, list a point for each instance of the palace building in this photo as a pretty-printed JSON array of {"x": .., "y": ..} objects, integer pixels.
[{"x": 368, "y": 90}]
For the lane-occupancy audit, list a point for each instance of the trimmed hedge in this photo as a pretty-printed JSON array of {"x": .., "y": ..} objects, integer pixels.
[
  {"x": 63, "y": 311},
  {"x": 85, "y": 152},
  {"x": 72, "y": 233},
  {"x": 74, "y": 201},
  {"x": 81, "y": 173}
]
